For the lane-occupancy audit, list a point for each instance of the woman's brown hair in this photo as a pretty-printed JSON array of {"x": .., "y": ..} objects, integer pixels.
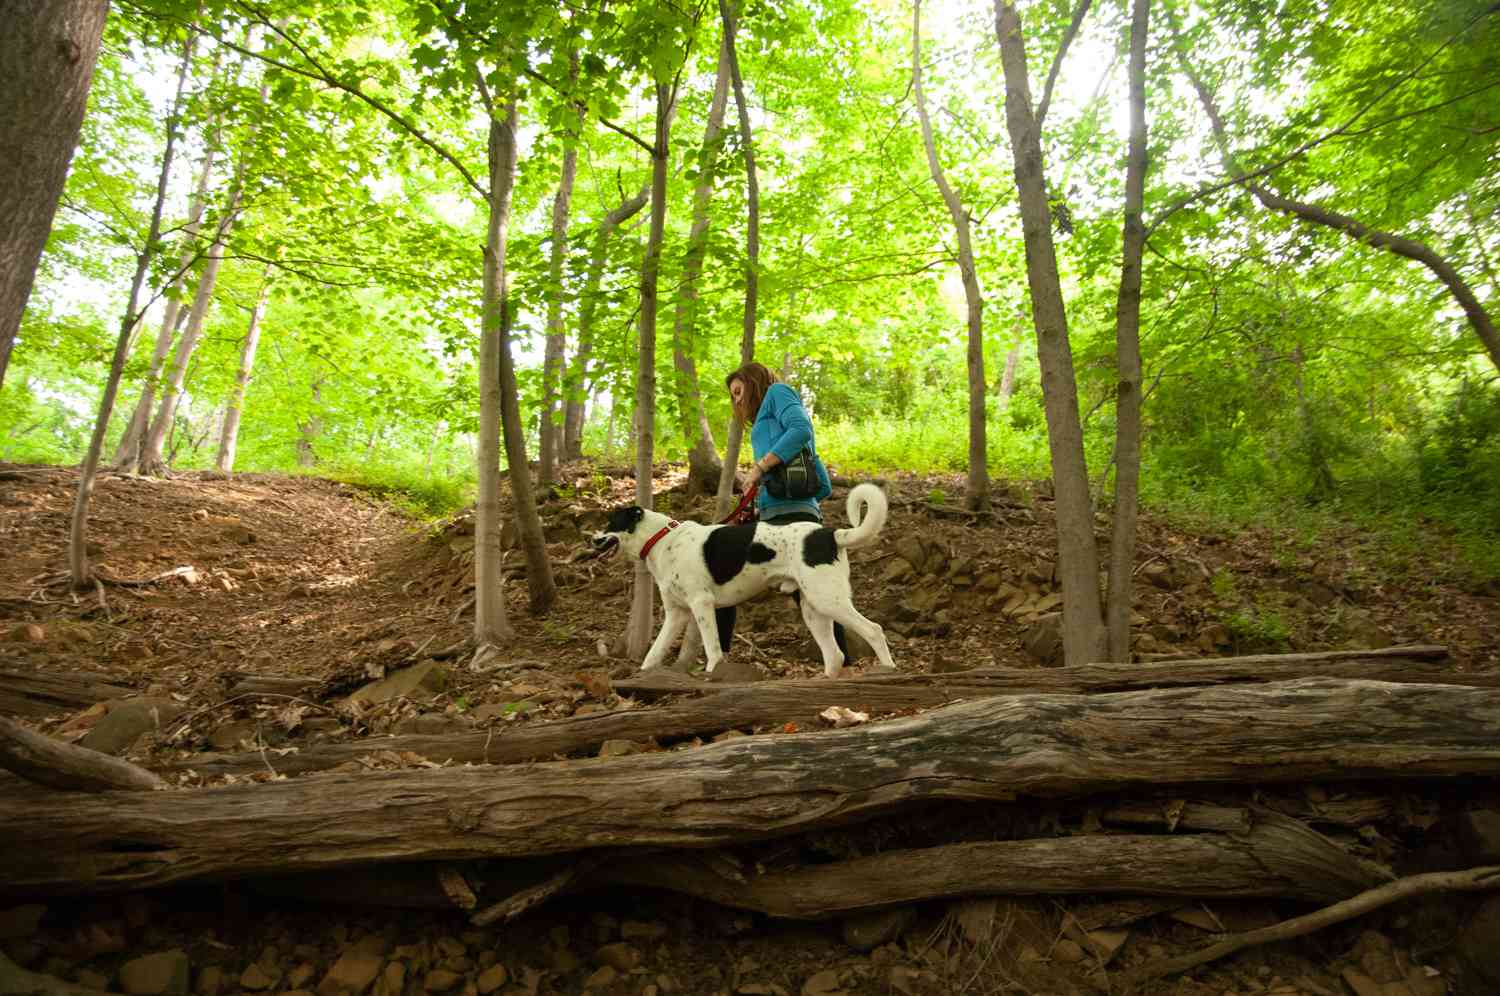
[{"x": 757, "y": 378}]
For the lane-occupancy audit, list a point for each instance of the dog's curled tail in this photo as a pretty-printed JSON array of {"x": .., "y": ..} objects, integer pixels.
[{"x": 867, "y": 509}]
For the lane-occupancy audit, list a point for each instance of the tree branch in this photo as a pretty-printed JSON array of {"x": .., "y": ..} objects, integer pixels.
[{"x": 1079, "y": 13}]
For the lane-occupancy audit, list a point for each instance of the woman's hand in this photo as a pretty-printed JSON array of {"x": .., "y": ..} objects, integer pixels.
[{"x": 752, "y": 477}]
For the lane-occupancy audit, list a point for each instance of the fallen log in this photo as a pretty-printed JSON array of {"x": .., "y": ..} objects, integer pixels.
[
  {"x": 67, "y": 766},
  {"x": 36, "y": 693},
  {"x": 744, "y": 706},
  {"x": 755, "y": 787},
  {"x": 1277, "y": 857},
  {"x": 1423, "y": 664}
]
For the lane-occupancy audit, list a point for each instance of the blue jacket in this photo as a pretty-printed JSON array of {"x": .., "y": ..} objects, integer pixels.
[{"x": 782, "y": 427}]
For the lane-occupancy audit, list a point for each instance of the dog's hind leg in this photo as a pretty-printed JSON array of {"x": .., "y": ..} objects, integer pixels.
[
  {"x": 675, "y": 622},
  {"x": 840, "y": 609},
  {"x": 708, "y": 628},
  {"x": 821, "y": 627}
]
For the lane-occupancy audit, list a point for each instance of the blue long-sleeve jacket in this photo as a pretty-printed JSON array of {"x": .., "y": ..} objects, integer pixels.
[{"x": 782, "y": 427}]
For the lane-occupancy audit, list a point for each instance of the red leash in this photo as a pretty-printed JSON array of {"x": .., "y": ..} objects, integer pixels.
[{"x": 744, "y": 512}]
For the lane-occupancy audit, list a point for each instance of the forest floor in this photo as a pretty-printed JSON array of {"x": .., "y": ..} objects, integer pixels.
[{"x": 276, "y": 577}]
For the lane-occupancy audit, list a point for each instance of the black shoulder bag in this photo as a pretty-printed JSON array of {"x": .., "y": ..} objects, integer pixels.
[{"x": 796, "y": 480}]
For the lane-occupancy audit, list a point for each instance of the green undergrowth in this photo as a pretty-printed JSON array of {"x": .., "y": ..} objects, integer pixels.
[{"x": 418, "y": 493}]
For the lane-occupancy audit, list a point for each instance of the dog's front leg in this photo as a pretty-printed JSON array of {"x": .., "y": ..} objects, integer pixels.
[
  {"x": 675, "y": 622},
  {"x": 708, "y": 629}
]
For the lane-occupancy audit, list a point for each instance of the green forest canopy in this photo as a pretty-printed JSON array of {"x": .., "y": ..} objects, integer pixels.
[{"x": 1283, "y": 361}]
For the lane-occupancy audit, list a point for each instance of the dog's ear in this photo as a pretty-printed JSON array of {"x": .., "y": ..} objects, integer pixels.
[{"x": 624, "y": 520}]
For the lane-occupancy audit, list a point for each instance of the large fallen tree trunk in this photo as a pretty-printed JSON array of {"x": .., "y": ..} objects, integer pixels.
[
  {"x": 731, "y": 706},
  {"x": 1277, "y": 857},
  {"x": 1405, "y": 664},
  {"x": 35, "y": 693},
  {"x": 755, "y": 787}
]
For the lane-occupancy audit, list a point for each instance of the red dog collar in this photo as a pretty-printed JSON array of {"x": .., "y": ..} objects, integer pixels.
[{"x": 671, "y": 525}]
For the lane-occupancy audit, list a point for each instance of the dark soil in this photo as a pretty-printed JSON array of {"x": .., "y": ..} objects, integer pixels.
[{"x": 301, "y": 578}]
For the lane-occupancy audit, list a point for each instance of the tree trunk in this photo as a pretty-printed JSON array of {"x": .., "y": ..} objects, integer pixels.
[
  {"x": 309, "y": 428},
  {"x": 1278, "y": 857},
  {"x": 539, "y": 581},
  {"x": 151, "y": 449},
  {"x": 725, "y": 497},
  {"x": 1078, "y": 558},
  {"x": 47, "y": 54},
  {"x": 753, "y": 788},
  {"x": 491, "y": 625},
  {"x": 66, "y": 766},
  {"x": 43, "y": 693},
  {"x": 229, "y": 438},
  {"x": 704, "y": 468},
  {"x": 1007, "y": 385},
  {"x": 552, "y": 365},
  {"x": 128, "y": 449},
  {"x": 638, "y": 631},
  {"x": 705, "y": 710},
  {"x": 78, "y": 563},
  {"x": 578, "y": 383},
  {"x": 1128, "y": 353},
  {"x": 977, "y": 487}
]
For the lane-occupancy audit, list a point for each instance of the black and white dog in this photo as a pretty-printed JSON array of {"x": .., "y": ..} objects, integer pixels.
[{"x": 698, "y": 568}]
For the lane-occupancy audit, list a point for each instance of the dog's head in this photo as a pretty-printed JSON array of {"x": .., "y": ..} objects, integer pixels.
[{"x": 622, "y": 527}]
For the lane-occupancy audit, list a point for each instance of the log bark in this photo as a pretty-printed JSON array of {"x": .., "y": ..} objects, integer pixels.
[
  {"x": 1278, "y": 857},
  {"x": 67, "y": 766},
  {"x": 755, "y": 787},
  {"x": 35, "y": 693},
  {"x": 744, "y": 706}
]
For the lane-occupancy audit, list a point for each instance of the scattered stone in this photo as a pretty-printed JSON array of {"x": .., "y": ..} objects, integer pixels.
[
  {"x": 127, "y": 720},
  {"x": 354, "y": 971},
  {"x": 256, "y": 978},
  {"x": 821, "y": 983},
  {"x": 299, "y": 977},
  {"x": 163, "y": 972},
  {"x": 29, "y": 633},
  {"x": 1158, "y": 574},
  {"x": 909, "y": 548},
  {"x": 1478, "y": 835},
  {"x": 1067, "y": 951},
  {"x": 1106, "y": 943},
  {"x": 21, "y": 921},
  {"x": 564, "y": 962},
  {"x": 623, "y": 957},
  {"x": 420, "y": 681},
  {"x": 228, "y": 736},
  {"x": 90, "y": 979},
  {"x": 729, "y": 735},
  {"x": 976, "y": 919},
  {"x": 1479, "y": 944},
  {"x": 1043, "y": 640},
  {"x": 491, "y": 978},
  {"x": 440, "y": 980},
  {"x": 1361, "y": 983},
  {"x": 1377, "y": 957},
  {"x": 738, "y": 670},
  {"x": 602, "y": 976},
  {"x": 868, "y": 931},
  {"x": 392, "y": 980},
  {"x": 761, "y": 989},
  {"x": 210, "y": 981},
  {"x": 620, "y": 748}
]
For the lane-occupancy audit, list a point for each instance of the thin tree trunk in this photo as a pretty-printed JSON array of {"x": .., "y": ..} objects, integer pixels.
[
  {"x": 151, "y": 448},
  {"x": 539, "y": 579},
  {"x": 1128, "y": 352},
  {"x": 1007, "y": 386},
  {"x": 128, "y": 449},
  {"x": 47, "y": 53},
  {"x": 725, "y": 497},
  {"x": 78, "y": 563},
  {"x": 553, "y": 360},
  {"x": 491, "y": 624},
  {"x": 977, "y": 488},
  {"x": 704, "y": 468},
  {"x": 638, "y": 632},
  {"x": 578, "y": 386},
  {"x": 1078, "y": 558},
  {"x": 1479, "y": 317},
  {"x": 229, "y": 438},
  {"x": 309, "y": 428}
]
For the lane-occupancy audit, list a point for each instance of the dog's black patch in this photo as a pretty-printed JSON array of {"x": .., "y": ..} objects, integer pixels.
[
  {"x": 820, "y": 548},
  {"x": 624, "y": 520},
  {"x": 726, "y": 551},
  {"x": 760, "y": 554}
]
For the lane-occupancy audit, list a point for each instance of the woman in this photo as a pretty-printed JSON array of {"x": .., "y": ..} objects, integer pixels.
[{"x": 779, "y": 429}]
